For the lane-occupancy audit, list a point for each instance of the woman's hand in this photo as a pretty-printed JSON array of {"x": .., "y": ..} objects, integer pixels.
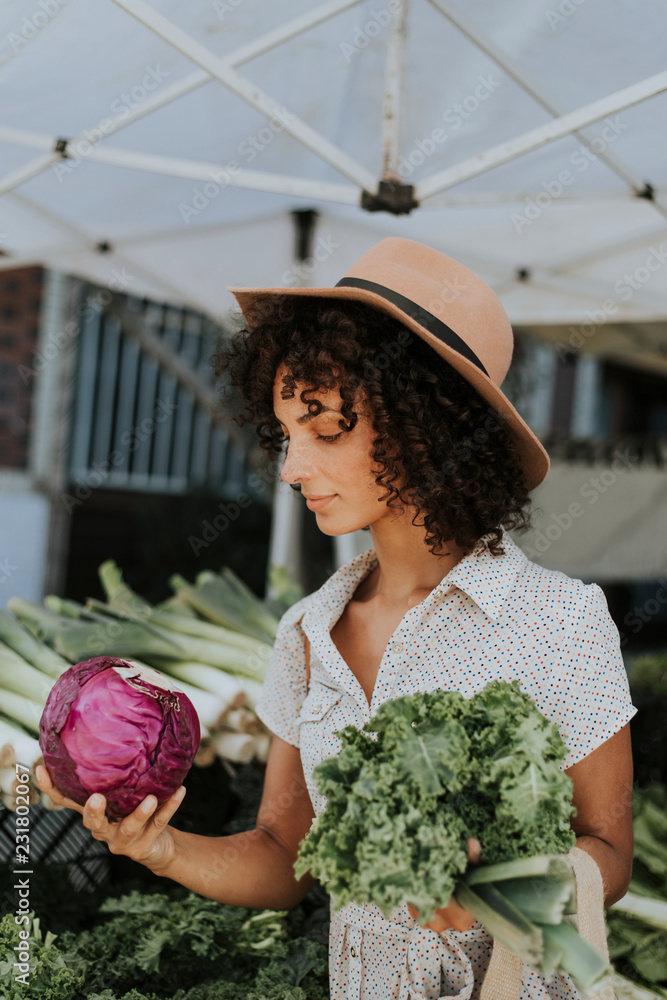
[
  {"x": 453, "y": 916},
  {"x": 141, "y": 836}
]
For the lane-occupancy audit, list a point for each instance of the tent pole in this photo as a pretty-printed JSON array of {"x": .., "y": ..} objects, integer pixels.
[
  {"x": 472, "y": 31},
  {"x": 248, "y": 91},
  {"x": 286, "y": 540},
  {"x": 537, "y": 137},
  {"x": 394, "y": 87}
]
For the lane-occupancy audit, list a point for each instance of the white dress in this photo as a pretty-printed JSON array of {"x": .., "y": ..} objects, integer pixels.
[{"x": 501, "y": 617}]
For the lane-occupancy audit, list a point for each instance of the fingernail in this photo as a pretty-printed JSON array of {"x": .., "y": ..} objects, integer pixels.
[
  {"x": 180, "y": 794},
  {"x": 96, "y": 801}
]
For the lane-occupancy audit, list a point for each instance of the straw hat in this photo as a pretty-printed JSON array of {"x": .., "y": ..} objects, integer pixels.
[{"x": 448, "y": 306}]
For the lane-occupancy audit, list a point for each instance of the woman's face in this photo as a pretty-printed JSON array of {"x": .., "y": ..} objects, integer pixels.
[{"x": 329, "y": 462}]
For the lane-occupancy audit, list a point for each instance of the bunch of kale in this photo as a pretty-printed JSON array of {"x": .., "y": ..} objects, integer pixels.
[{"x": 425, "y": 773}]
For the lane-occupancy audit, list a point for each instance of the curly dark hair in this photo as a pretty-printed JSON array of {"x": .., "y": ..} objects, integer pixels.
[{"x": 460, "y": 466}]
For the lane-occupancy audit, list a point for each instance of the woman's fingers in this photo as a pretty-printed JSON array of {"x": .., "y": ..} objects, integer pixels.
[
  {"x": 474, "y": 850},
  {"x": 453, "y": 916},
  {"x": 46, "y": 785},
  {"x": 145, "y": 820},
  {"x": 168, "y": 808}
]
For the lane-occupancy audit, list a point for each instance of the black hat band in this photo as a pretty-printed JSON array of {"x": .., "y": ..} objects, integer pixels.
[{"x": 420, "y": 315}]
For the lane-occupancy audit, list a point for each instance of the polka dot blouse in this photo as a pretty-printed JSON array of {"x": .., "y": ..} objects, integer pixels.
[{"x": 490, "y": 617}]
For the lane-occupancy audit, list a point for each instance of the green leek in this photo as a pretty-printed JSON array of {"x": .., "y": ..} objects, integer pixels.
[
  {"x": 213, "y": 598},
  {"x": 650, "y": 911},
  {"x": 18, "y": 676},
  {"x": 181, "y": 624},
  {"x": 43, "y": 624},
  {"x": 502, "y": 921},
  {"x": 586, "y": 966},
  {"x": 26, "y": 749},
  {"x": 24, "y": 643},
  {"x": 18, "y": 708}
]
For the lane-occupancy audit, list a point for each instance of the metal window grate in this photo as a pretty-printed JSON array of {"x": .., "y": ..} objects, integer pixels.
[{"x": 134, "y": 426}]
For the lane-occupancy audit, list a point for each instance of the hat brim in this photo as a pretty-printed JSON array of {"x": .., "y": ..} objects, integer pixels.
[{"x": 534, "y": 457}]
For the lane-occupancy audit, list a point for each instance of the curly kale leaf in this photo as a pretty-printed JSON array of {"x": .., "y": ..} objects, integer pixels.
[{"x": 442, "y": 768}]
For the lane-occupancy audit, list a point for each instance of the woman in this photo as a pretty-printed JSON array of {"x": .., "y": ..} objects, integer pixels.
[{"x": 387, "y": 390}]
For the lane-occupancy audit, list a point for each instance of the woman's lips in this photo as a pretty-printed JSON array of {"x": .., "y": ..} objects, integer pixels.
[{"x": 318, "y": 504}]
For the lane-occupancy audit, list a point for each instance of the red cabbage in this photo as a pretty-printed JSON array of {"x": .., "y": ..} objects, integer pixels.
[{"x": 113, "y": 727}]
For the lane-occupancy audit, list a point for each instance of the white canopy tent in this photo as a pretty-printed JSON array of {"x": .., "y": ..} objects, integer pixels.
[{"x": 160, "y": 148}]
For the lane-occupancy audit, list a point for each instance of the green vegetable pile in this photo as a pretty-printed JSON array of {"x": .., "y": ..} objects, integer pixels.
[
  {"x": 425, "y": 773},
  {"x": 637, "y": 924},
  {"x": 153, "y": 947}
]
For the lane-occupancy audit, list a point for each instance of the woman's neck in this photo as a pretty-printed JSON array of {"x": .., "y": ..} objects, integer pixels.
[{"x": 407, "y": 570}]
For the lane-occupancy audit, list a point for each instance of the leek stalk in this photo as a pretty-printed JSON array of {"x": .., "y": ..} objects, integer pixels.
[
  {"x": 651, "y": 911},
  {"x": 21, "y": 709},
  {"x": 43, "y": 624},
  {"x": 181, "y": 624},
  {"x": 218, "y": 604},
  {"x": 586, "y": 966},
  {"x": 502, "y": 921},
  {"x": 19, "y": 676},
  {"x": 24, "y": 643},
  {"x": 25, "y": 748}
]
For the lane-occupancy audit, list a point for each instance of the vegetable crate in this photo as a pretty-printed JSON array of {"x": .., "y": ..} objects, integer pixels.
[{"x": 58, "y": 836}]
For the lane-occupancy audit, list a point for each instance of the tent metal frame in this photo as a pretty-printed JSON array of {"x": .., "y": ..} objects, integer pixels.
[{"x": 364, "y": 187}]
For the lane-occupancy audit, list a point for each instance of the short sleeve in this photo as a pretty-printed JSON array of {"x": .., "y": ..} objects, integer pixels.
[
  {"x": 589, "y": 683},
  {"x": 284, "y": 687}
]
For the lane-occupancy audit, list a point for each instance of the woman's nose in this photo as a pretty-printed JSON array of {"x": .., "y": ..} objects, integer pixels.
[{"x": 297, "y": 465}]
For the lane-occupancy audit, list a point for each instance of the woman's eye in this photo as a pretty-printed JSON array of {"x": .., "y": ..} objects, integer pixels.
[{"x": 321, "y": 437}]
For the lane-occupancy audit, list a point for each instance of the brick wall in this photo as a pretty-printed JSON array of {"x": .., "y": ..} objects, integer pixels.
[{"x": 20, "y": 304}]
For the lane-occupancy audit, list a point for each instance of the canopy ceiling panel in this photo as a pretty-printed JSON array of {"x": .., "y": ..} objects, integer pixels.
[{"x": 168, "y": 143}]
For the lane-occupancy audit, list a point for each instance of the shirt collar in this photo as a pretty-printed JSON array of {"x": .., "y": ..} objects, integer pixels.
[{"x": 485, "y": 578}]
